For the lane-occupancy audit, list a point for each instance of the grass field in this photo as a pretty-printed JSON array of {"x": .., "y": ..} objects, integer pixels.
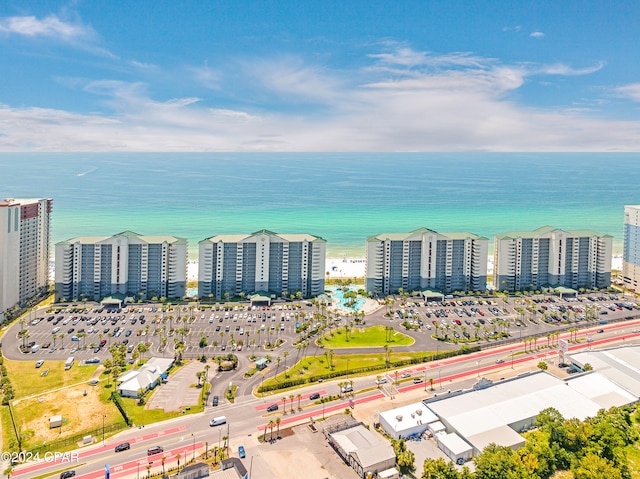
[
  {"x": 364, "y": 337},
  {"x": 27, "y": 380},
  {"x": 317, "y": 365}
]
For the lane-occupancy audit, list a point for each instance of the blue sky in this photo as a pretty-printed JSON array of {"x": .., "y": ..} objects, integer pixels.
[{"x": 319, "y": 76}]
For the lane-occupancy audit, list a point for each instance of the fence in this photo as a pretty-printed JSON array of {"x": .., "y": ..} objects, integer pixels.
[{"x": 61, "y": 444}]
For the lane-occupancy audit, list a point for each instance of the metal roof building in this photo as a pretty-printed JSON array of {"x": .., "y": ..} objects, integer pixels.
[{"x": 496, "y": 414}]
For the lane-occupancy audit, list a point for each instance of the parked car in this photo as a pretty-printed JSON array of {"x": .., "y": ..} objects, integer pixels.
[
  {"x": 122, "y": 447},
  {"x": 40, "y": 363}
]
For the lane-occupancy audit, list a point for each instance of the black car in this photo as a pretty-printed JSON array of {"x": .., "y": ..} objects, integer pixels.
[
  {"x": 216, "y": 400},
  {"x": 314, "y": 396},
  {"x": 125, "y": 446},
  {"x": 67, "y": 474},
  {"x": 272, "y": 408}
]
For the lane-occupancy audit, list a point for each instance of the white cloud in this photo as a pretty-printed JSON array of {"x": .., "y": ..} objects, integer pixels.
[
  {"x": 50, "y": 26},
  {"x": 290, "y": 77},
  {"x": 207, "y": 76},
  {"x": 561, "y": 69},
  {"x": 631, "y": 91},
  {"x": 402, "y": 101},
  {"x": 536, "y": 34}
]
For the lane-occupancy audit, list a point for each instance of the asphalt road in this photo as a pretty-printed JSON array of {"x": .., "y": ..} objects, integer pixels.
[{"x": 248, "y": 416}]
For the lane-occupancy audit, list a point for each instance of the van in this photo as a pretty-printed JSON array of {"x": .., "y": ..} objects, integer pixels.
[
  {"x": 217, "y": 421},
  {"x": 35, "y": 348}
]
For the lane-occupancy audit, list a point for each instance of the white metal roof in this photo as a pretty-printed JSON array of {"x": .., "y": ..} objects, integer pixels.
[
  {"x": 410, "y": 416},
  {"x": 454, "y": 443}
]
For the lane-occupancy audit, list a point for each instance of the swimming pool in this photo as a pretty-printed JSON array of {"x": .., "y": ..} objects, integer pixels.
[{"x": 338, "y": 294}]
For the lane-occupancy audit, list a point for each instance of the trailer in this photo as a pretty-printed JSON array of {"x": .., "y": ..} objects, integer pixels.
[{"x": 69, "y": 362}]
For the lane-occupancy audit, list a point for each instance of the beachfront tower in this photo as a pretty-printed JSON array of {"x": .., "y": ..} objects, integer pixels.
[
  {"x": 631, "y": 253},
  {"x": 551, "y": 257},
  {"x": 25, "y": 241},
  {"x": 261, "y": 262},
  {"x": 127, "y": 264},
  {"x": 424, "y": 259}
]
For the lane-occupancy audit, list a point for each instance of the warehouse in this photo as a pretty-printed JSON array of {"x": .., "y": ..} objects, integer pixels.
[{"x": 498, "y": 412}]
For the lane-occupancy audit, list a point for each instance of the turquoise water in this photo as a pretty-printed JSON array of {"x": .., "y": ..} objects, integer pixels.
[
  {"x": 337, "y": 294},
  {"x": 341, "y": 197}
]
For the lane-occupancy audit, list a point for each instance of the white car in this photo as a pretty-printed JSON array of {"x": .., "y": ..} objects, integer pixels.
[
  {"x": 378, "y": 381},
  {"x": 405, "y": 375}
]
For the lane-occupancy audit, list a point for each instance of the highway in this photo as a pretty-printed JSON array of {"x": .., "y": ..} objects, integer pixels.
[{"x": 187, "y": 436}]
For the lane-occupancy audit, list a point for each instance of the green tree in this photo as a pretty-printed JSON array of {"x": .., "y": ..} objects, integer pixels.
[
  {"x": 439, "y": 469},
  {"x": 592, "y": 466},
  {"x": 499, "y": 462},
  {"x": 405, "y": 459}
]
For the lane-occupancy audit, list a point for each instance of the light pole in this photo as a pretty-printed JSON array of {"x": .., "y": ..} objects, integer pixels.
[{"x": 194, "y": 446}]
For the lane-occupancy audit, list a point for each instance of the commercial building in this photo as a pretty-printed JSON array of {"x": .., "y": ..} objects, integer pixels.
[
  {"x": 631, "y": 248},
  {"x": 368, "y": 453},
  {"x": 143, "y": 267},
  {"x": 25, "y": 226},
  {"x": 407, "y": 421},
  {"x": 424, "y": 259},
  {"x": 550, "y": 257},
  {"x": 498, "y": 412},
  {"x": 261, "y": 262}
]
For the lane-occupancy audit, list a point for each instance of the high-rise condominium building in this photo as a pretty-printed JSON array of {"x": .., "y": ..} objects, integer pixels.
[
  {"x": 24, "y": 250},
  {"x": 261, "y": 262},
  {"x": 631, "y": 253},
  {"x": 548, "y": 257},
  {"x": 94, "y": 267},
  {"x": 425, "y": 259}
]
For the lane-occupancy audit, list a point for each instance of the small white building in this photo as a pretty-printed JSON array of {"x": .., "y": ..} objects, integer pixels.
[
  {"x": 365, "y": 451},
  {"x": 406, "y": 421},
  {"x": 456, "y": 448},
  {"x": 55, "y": 421},
  {"x": 145, "y": 378}
]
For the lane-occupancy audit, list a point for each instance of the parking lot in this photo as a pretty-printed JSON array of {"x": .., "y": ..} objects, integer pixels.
[{"x": 87, "y": 331}]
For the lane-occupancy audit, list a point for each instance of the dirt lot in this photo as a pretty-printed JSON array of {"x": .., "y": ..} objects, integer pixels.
[{"x": 82, "y": 413}]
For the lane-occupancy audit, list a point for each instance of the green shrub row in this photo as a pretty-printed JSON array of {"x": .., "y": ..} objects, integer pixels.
[{"x": 391, "y": 365}]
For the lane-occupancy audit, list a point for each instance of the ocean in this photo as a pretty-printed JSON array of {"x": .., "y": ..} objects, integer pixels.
[{"x": 342, "y": 197}]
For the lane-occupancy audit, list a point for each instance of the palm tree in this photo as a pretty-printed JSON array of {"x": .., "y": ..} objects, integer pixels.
[
  {"x": 299, "y": 397},
  {"x": 291, "y": 396},
  {"x": 284, "y": 402},
  {"x": 271, "y": 424},
  {"x": 278, "y": 424}
]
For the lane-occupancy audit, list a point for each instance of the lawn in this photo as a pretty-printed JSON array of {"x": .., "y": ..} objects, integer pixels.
[
  {"x": 27, "y": 380},
  {"x": 313, "y": 366},
  {"x": 364, "y": 338}
]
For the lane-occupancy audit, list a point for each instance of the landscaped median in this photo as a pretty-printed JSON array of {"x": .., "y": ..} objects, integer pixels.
[
  {"x": 360, "y": 337},
  {"x": 330, "y": 366}
]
